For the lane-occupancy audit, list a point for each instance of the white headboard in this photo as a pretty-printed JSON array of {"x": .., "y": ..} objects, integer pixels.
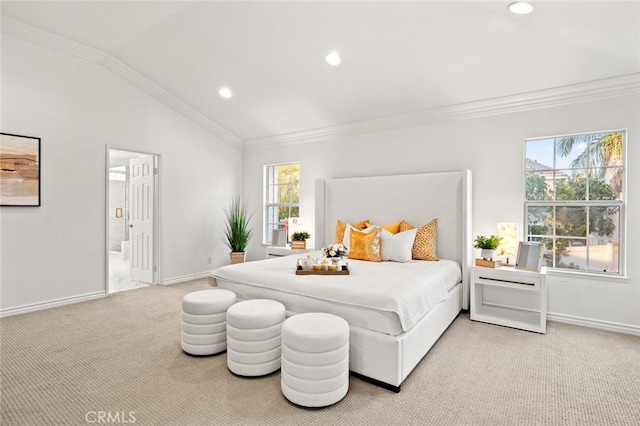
[{"x": 415, "y": 198}]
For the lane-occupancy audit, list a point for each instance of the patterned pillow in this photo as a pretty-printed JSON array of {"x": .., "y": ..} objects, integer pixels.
[
  {"x": 341, "y": 227},
  {"x": 424, "y": 246},
  {"x": 365, "y": 246}
]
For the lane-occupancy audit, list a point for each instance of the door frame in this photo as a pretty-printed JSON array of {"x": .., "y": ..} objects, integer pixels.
[{"x": 157, "y": 244}]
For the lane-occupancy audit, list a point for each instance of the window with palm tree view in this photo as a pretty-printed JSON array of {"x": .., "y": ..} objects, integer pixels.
[
  {"x": 282, "y": 197},
  {"x": 574, "y": 188}
]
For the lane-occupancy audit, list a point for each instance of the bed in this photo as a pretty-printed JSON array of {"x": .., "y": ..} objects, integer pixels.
[{"x": 396, "y": 311}]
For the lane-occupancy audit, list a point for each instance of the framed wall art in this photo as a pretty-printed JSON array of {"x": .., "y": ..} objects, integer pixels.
[{"x": 19, "y": 170}]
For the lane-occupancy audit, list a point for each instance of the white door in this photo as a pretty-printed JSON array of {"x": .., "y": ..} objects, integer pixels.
[{"x": 141, "y": 202}]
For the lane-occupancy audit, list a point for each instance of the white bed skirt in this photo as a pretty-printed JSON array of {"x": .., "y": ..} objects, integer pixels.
[{"x": 390, "y": 359}]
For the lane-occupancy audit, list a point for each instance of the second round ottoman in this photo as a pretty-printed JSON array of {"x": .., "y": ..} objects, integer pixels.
[
  {"x": 315, "y": 359},
  {"x": 253, "y": 337}
]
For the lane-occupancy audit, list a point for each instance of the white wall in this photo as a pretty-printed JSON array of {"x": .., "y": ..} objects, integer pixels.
[
  {"x": 493, "y": 149},
  {"x": 57, "y": 251}
]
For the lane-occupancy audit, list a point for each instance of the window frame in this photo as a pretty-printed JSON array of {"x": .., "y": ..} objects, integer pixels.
[
  {"x": 621, "y": 204},
  {"x": 266, "y": 239}
]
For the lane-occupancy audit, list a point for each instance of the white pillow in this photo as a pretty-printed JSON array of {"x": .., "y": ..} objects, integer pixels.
[
  {"x": 346, "y": 241},
  {"x": 397, "y": 247}
]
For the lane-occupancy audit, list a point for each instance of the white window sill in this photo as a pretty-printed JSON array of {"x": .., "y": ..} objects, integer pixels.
[{"x": 618, "y": 279}]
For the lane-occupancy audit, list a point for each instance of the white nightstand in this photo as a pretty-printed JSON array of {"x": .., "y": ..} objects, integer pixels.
[
  {"x": 285, "y": 251},
  {"x": 510, "y": 297}
]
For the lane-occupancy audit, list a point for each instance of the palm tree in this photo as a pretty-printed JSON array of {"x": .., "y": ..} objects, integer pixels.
[{"x": 602, "y": 151}]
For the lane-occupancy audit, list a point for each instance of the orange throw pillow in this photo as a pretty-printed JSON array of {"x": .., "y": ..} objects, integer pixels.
[
  {"x": 394, "y": 228},
  {"x": 365, "y": 246}
]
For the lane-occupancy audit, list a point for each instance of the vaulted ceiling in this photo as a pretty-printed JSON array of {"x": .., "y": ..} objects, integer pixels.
[{"x": 397, "y": 57}]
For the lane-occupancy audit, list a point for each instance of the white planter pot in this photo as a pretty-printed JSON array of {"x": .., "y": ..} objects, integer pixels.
[{"x": 487, "y": 254}]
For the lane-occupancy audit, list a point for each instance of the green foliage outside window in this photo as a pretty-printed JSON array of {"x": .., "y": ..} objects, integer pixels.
[
  {"x": 282, "y": 196},
  {"x": 576, "y": 203}
]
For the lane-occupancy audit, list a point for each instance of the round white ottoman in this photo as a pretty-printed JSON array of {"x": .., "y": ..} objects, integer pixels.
[
  {"x": 204, "y": 321},
  {"x": 253, "y": 337},
  {"x": 315, "y": 359}
]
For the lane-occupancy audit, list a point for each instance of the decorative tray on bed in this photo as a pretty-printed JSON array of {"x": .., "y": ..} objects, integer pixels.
[{"x": 300, "y": 271}]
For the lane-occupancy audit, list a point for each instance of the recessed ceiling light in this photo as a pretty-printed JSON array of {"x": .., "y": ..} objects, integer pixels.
[
  {"x": 225, "y": 92},
  {"x": 333, "y": 59},
  {"x": 520, "y": 8}
]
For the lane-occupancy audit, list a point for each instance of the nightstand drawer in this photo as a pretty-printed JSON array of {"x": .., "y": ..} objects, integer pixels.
[{"x": 521, "y": 282}]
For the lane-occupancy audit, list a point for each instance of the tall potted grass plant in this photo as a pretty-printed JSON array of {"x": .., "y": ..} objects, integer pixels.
[{"x": 237, "y": 232}]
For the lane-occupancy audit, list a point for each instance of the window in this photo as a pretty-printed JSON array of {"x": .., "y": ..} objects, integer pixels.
[
  {"x": 574, "y": 201},
  {"x": 282, "y": 197}
]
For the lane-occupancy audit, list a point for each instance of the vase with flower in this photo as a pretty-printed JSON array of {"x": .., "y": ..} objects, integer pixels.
[{"x": 336, "y": 253}]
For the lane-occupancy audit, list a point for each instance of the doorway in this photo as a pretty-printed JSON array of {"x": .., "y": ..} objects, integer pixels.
[{"x": 132, "y": 220}]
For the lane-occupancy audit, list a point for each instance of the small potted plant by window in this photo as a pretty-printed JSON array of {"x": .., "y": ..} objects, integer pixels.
[
  {"x": 299, "y": 240},
  {"x": 488, "y": 245}
]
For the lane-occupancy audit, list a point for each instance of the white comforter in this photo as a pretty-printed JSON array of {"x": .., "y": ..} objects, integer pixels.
[{"x": 409, "y": 289}]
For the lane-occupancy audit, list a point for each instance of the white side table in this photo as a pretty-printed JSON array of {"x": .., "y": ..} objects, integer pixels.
[
  {"x": 285, "y": 251},
  {"x": 515, "y": 285}
]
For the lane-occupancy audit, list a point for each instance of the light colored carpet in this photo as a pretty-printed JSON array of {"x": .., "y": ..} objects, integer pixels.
[{"x": 121, "y": 356}]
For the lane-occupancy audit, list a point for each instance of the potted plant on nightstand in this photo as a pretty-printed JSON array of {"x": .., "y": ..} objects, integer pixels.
[
  {"x": 237, "y": 232},
  {"x": 299, "y": 240},
  {"x": 488, "y": 245}
]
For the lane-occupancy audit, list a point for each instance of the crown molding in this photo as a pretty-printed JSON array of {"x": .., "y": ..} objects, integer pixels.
[
  {"x": 53, "y": 41},
  {"x": 582, "y": 92}
]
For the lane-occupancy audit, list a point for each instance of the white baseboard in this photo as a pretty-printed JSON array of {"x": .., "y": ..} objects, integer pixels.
[
  {"x": 190, "y": 277},
  {"x": 600, "y": 325},
  {"x": 50, "y": 304},
  {"x": 90, "y": 296}
]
